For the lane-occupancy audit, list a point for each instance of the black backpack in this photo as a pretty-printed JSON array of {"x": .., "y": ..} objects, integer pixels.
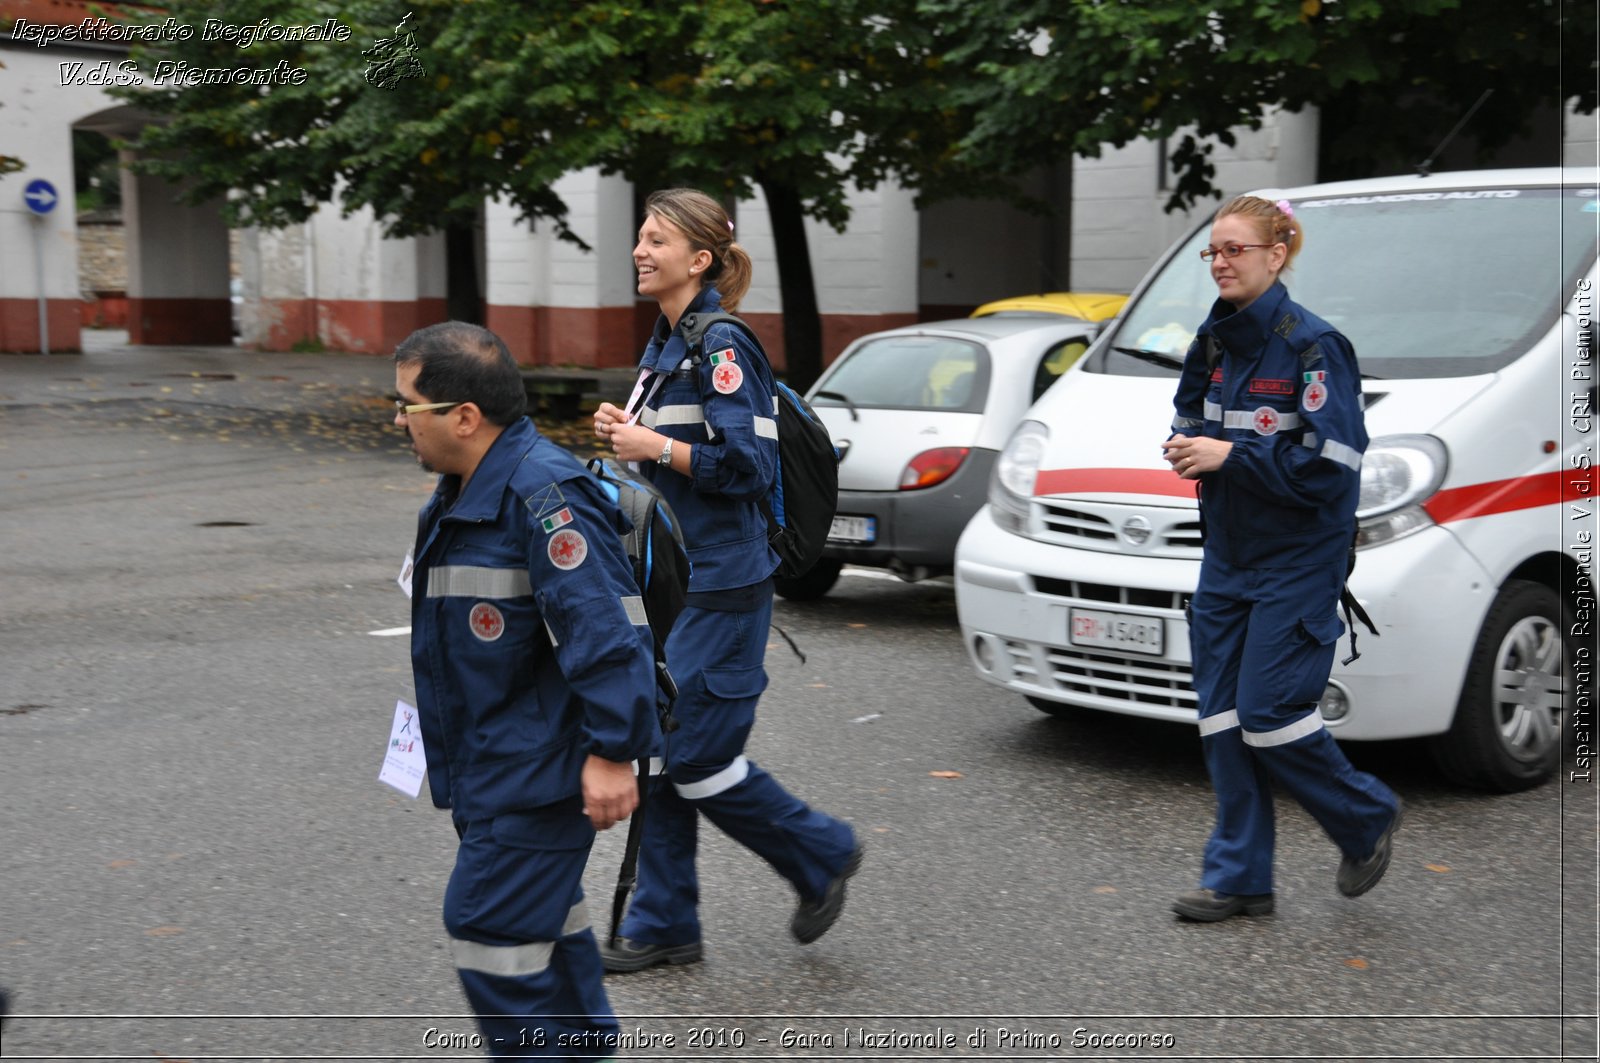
[
  {"x": 661, "y": 569},
  {"x": 655, "y": 550},
  {"x": 799, "y": 511}
]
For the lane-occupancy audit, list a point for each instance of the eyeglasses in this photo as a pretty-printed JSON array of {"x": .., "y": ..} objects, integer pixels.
[
  {"x": 1229, "y": 250},
  {"x": 401, "y": 407}
]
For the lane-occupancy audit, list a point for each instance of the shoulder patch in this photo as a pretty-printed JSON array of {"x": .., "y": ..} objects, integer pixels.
[
  {"x": 727, "y": 377},
  {"x": 1311, "y": 356},
  {"x": 1286, "y": 326}
]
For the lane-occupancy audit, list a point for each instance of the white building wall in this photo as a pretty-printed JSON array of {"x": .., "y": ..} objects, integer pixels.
[{"x": 36, "y": 122}]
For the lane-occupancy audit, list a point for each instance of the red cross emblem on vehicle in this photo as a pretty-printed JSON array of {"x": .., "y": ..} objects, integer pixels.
[
  {"x": 1266, "y": 421},
  {"x": 486, "y": 622}
]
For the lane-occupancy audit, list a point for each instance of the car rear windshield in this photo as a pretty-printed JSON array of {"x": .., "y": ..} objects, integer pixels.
[
  {"x": 1425, "y": 284},
  {"x": 909, "y": 373}
]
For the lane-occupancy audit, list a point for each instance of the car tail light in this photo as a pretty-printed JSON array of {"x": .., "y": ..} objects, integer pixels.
[{"x": 932, "y": 467}]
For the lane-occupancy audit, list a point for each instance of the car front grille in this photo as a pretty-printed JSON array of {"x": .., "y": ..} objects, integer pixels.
[
  {"x": 1075, "y": 523},
  {"x": 1104, "y": 592},
  {"x": 1105, "y": 675}
]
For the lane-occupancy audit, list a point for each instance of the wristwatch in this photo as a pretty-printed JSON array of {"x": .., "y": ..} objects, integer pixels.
[{"x": 666, "y": 454}]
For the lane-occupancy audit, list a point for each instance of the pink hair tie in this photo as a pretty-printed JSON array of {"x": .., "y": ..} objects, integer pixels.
[{"x": 1285, "y": 206}]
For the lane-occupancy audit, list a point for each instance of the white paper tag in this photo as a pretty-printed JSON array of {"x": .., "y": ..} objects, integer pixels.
[
  {"x": 405, "y": 573},
  {"x": 404, "y": 763}
]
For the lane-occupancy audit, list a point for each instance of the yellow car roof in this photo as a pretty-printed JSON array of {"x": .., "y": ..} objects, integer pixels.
[{"x": 1090, "y": 306}]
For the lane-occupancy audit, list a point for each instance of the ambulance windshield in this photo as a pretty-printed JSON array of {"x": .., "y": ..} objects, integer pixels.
[{"x": 1425, "y": 284}]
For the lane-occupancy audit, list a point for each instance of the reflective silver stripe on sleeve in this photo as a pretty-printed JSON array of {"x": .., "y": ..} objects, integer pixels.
[
  {"x": 1247, "y": 419},
  {"x": 1309, "y": 724},
  {"x": 1180, "y": 423},
  {"x": 476, "y": 581},
  {"x": 515, "y": 961},
  {"x": 1212, "y": 411},
  {"x": 1309, "y": 441},
  {"x": 766, "y": 428},
  {"x": 633, "y": 605},
  {"x": 657, "y": 766},
  {"x": 1347, "y": 456},
  {"x": 676, "y": 415},
  {"x": 726, "y": 779},
  {"x": 1222, "y": 721}
]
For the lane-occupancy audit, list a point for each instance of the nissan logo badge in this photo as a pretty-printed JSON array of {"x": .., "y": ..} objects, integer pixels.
[{"x": 1136, "y": 530}]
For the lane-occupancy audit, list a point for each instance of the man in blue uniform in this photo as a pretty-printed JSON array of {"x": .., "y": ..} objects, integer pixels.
[
  {"x": 1269, "y": 420},
  {"x": 535, "y": 688}
]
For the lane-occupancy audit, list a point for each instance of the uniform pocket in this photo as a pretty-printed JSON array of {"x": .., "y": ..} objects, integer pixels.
[
  {"x": 552, "y": 828},
  {"x": 1323, "y": 630},
  {"x": 736, "y": 684}
]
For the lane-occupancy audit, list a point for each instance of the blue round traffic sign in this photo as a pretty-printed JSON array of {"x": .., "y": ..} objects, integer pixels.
[{"x": 40, "y": 195}]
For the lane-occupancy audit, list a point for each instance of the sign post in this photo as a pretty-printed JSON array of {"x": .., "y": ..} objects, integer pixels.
[{"x": 41, "y": 198}]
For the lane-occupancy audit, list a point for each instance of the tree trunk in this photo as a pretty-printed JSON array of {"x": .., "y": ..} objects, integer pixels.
[
  {"x": 802, "y": 322},
  {"x": 463, "y": 296}
]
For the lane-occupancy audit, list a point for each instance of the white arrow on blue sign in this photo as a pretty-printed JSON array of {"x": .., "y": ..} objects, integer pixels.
[{"x": 40, "y": 195}]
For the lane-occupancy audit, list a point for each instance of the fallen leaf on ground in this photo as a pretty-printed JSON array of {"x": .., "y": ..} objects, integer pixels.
[
  {"x": 1357, "y": 962},
  {"x": 946, "y": 774},
  {"x": 1105, "y": 889},
  {"x": 163, "y": 931},
  {"x": 1442, "y": 869}
]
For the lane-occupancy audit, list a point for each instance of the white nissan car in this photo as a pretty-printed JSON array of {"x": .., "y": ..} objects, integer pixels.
[{"x": 1469, "y": 299}]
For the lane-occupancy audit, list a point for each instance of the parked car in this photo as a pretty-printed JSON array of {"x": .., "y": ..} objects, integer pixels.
[
  {"x": 1474, "y": 326},
  {"x": 1089, "y": 306},
  {"x": 918, "y": 415}
]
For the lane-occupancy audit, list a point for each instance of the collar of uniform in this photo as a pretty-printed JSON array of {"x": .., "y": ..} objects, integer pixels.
[
  {"x": 481, "y": 499},
  {"x": 666, "y": 348},
  {"x": 1247, "y": 329}
]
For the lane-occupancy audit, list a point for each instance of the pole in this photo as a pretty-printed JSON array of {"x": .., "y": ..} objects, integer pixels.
[{"x": 38, "y": 269}]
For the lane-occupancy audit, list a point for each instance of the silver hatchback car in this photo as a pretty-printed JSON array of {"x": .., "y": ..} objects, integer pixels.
[{"x": 919, "y": 415}]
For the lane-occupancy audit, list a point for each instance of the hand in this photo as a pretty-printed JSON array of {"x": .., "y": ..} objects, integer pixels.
[
  {"x": 1193, "y": 456},
  {"x": 605, "y": 417},
  {"x": 610, "y": 792},
  {"x": 635, "y": 442}
]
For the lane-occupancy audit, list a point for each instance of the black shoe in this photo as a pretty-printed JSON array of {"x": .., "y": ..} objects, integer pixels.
[
  {"x": 1358, "y": 876},
  {"x": 627, "y": 956},
  {"x": 1209, "y": 906},
  {"x": 812, "y": 919}
]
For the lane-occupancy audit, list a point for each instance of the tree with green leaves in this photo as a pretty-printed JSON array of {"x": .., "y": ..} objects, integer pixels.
[{"x": 804, "y": 99}]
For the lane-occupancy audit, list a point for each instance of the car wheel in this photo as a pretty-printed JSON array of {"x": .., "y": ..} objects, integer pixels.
[
  {"x": 813, "y": 584},
  {"x": 1506, "y": 735}
]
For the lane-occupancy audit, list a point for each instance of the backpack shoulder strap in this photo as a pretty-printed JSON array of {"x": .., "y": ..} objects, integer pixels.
[{"x": 694, "y": 328}]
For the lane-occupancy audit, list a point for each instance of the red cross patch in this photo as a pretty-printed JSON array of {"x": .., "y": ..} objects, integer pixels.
[
  {"x": 1266, "y": 421},
  {"x": 567, "y": 549},
  {"x": 727, "y": 377},
  {"x": 1313, "y": 397},
  {"x": 486, "y": 622}
]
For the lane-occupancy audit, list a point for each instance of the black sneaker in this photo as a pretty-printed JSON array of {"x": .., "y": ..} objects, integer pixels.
[
  {"x": 1209, "y": 906},
  {"x": 812, "y": 919},
  {"x": 628, "y": 956},
  {"x": 1358, "y": 876}
]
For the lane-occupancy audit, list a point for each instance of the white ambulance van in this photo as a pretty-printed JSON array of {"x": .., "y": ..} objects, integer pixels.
[{"x": 1469, "y": 299}]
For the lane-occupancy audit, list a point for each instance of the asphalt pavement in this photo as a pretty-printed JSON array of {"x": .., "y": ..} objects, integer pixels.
[{"x": 200, "y": 653}]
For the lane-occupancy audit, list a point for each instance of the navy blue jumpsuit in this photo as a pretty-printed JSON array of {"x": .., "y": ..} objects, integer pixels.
[
  {"x": 1283, "y": 387},
  {"x": 724, "y": 407},
  {"x": 530, "y": 651}
]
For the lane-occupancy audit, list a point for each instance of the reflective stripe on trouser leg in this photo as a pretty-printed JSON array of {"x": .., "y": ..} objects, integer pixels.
[
  {"x": 717, "y": 659},
  {"x": 1239, "y": 851},
  {"x": 1283, "y": 672},
  {"x": 520, "y": 935}
]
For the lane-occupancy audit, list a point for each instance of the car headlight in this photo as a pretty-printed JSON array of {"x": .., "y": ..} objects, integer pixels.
[
  {"x": 1011, "y": 483},
  {"x": 1398, "y": 474}
]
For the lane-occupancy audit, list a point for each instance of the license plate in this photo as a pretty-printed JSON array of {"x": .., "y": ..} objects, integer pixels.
[
  {"x": 1117, "y": 631},
  {"x": 853, "y": 529}
]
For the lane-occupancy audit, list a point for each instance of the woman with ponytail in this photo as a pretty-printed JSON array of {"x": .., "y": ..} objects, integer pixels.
[
  {"x": 702, "y": 427},
  {"x": 1269, "y": 424}
]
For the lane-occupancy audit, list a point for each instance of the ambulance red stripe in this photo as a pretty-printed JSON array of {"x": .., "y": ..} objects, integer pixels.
[
  {"x": 1112, "y": 482},
  {"x": 1505, "y": 496},
  {"x": 1451, "y": 504}
]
